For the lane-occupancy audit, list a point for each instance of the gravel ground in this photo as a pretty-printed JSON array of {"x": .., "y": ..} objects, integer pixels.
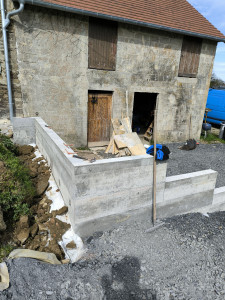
[
  {"x": 205, "y": 156},
  {"x": 183, "y": 259}
]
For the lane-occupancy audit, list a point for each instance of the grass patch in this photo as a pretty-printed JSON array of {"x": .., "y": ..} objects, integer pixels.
[
  {"x": 4, "y": 251},
  {"x": 212, "y": 138},
  {"x": 83, "y": 148},
  {"x": 16, "y": 188}
]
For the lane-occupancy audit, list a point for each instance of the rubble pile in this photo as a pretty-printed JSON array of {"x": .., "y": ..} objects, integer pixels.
[{"x": 41, "y": 230}]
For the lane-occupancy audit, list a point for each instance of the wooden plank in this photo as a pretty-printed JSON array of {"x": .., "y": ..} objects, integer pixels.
[
  {"x": 117, "y": 127},
  {"x": 98, "y": 144},
  {"x": 128, "y": 139},
  {"x": 197, "y": 52},
  {"x": 131, "y": 141},
  {"x": 114, "y": 148},
  {"x": 109, "y": 148},
  {"x": 126, "y": 125},
  {"x": 122, "y": 152},
  {"x": 137, "y": 150},
  {"x": 119, "y": 141},
  {"x": 127, "y": 151}
]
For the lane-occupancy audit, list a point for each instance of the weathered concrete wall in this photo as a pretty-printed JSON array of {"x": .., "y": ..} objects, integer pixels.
[
  {"x": 16, "y": 88},
  {"x": 55, "y": 79},
  {"x": 24, "y": 131},
  {"x": 52, "y": 64},
  {"x": 109, "y": 191}
]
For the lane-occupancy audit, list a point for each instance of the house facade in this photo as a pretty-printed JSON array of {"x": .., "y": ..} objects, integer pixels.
[{"x": 78, "y": 71}]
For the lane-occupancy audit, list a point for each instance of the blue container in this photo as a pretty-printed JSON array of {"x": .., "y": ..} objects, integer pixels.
[
  {"x": 206, "y": 126},
  {"x": 216, "y": 102}
]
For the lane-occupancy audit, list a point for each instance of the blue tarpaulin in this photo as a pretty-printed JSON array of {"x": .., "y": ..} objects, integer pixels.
[{"x": 159, "y": 152}]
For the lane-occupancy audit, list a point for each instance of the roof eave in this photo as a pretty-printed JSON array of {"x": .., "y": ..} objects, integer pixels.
[{"x": 123, "y": 20}]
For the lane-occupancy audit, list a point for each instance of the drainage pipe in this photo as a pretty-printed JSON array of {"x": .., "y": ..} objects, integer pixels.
[{"x": 5, "y": 24}]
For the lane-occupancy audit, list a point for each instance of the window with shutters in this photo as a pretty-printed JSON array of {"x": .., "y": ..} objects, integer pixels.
[
  {"x": 190, "y": 54},
  {"x": 102, "y": 44}
]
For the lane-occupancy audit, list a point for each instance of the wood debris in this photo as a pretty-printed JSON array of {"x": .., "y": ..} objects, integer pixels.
[
  {"x": 124, "y": 142},
  {"x": 149, "y": 133}
]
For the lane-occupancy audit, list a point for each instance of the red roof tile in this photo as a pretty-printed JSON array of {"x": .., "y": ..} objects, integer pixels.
[{"x": 178, "y": 15}]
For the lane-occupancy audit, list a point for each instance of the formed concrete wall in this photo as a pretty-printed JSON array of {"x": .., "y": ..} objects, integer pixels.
[
  {"x": 218, "y": 203},
  {"x": 52, "y": 51},
  {"x": 97, "y": 190},
  {"x": 24, "y": 131},
  {"x": 186, "y": 192},
  {"x": 109, "y": 191}
]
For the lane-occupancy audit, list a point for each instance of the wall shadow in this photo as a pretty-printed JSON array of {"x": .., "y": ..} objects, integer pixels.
[{"x": 124, "y": 282}]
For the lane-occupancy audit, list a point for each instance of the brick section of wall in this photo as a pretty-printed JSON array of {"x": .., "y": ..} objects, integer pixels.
[
  {"x": 16, "y": 88},
  {"x": 55, "y": 79}
]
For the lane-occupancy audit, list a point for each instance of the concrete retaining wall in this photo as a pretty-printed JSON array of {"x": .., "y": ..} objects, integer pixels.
[
  {"x": 103, "y": 188},
  {"x": 24, "y": 131},
  {"x": 109, "y": 191},
  {"x": 218, "y": 203},
  {"x": 186, "y": 192}
]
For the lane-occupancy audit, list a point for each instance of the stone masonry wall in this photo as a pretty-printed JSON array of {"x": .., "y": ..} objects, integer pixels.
[
  {"x": 16, "y": 88},
  {"x": 52, "y": 48}
]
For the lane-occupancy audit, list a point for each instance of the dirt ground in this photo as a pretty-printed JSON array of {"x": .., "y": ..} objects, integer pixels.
[{"x": 32, "y": 232}]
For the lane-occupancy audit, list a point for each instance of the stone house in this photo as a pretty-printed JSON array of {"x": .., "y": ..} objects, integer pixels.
[{"x": 77, "y": 64}]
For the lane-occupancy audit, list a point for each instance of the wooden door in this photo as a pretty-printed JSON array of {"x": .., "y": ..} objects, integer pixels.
[{"x": 99, "y": 118}]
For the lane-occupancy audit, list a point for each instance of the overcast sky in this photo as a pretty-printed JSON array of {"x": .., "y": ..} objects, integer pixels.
[{"x": 214, "y": 11}]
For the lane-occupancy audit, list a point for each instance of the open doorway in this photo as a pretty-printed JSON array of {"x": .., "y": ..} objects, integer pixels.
[{"x": 143, "y": 111}]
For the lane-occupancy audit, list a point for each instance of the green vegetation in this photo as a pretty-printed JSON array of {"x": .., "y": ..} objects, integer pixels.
[
  {"x": 212, "y": 138},
  {"x": 4, "y": 251},
  {"x": 16, "y": 188},
  {"x": 83, "y": 148},
  {"x": 216, "y": 81}
]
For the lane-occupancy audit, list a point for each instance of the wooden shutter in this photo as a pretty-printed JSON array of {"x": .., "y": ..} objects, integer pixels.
[
  {"x": 102, "y": 44},
  {"x": 190, "y": 54}
]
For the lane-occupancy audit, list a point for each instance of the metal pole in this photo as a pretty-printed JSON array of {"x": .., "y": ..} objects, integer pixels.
[
  {"x": 5, "y": 42},
  {"x": 154, "y": 169},
  {"x": 5, "y": 23}
]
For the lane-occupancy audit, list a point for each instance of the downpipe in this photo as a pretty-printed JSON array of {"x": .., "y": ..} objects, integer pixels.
[{"x": 5, "y": 24}]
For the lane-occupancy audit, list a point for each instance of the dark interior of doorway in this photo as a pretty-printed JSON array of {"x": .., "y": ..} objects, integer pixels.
[{"x": 143, "y": 111}]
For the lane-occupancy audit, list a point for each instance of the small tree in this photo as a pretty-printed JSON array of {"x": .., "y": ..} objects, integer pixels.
[{"x": 216, "y": 81}]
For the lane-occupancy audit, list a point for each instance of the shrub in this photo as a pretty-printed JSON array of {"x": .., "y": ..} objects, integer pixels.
[{"x": 16, "y": 188}]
